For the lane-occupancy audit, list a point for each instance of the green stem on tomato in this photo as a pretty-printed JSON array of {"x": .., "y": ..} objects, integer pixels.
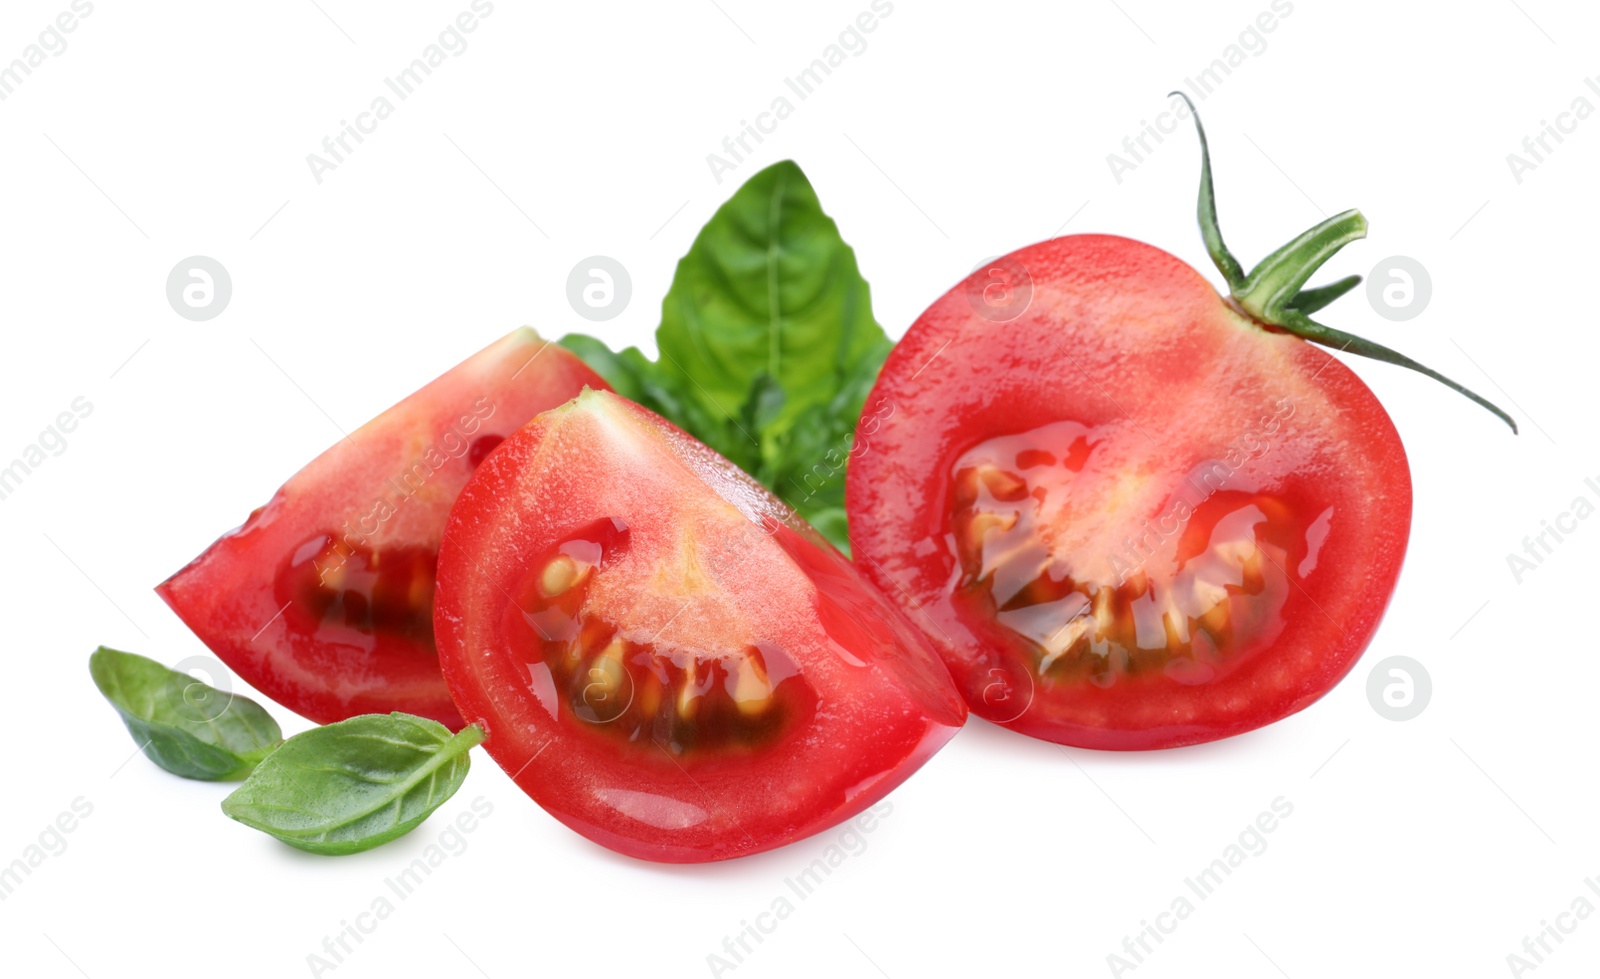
[
  {"x": 1275, "y": 283},
  {"x": 1273, "y": 293}
]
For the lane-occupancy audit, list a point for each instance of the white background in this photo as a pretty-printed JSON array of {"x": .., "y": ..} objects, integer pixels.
[{"x": 1428, "y": 847}]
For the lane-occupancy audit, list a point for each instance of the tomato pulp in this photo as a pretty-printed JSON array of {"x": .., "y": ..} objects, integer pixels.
[
  {"x": 1130, "y": 517},
  {"x": 666, "y": 658},
  {"x": 323, "y": 600}
]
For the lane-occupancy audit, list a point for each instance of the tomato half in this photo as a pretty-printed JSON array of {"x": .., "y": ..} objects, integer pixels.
[
  {"x": 1127, "y": 515},
  {"x": 666, "y": 658},
  {"x": 323, "y": 600}
]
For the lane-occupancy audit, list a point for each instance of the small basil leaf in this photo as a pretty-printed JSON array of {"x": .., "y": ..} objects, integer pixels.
[
  {"x": 354, "y": 785},
  {"x": 181, "y": 724},
  {"x": 620, "y": 371}
]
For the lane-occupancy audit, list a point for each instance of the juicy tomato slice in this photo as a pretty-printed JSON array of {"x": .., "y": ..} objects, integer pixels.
[
  {"x": 1129, "y": 516},
  {"x": 323, "y": 600},
  {"x": 666, "y": 658}
]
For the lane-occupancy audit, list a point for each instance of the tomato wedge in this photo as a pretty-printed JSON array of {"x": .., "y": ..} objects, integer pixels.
[
  {"x": 323, "y": 600},
  {"x": 1129, "y": 512},
  {"x": 666, "y": 658}
]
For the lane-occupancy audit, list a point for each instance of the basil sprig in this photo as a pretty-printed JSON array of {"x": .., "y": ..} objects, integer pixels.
[
  {"x": 768, "y": 345},
  {"x": 354, "y": 785},
  {"x": 185, "y": 726}
]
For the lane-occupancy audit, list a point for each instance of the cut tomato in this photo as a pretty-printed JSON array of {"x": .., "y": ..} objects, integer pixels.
[
  {"x": 1209, "y": 559},
  {"x": 666, "y": 658},
  {"x": 1129, "y": 512},
  {"x": 323, "y": 600}
]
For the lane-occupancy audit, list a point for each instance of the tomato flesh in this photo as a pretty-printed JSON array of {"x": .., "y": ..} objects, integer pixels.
[
  {"x": 323, "y": 600},
  {"x": 645, "y": 693},
  {"x": 387, "y": 591},
  {"x": 1128, "y": 517},
  {"x": 665, "y": 658}
]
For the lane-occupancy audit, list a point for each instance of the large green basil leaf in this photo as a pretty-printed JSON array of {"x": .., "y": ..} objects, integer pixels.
[
  {"x": 769, "y": 287},
  {"x": 181, "y": 724},
  {"x": 353, "y": 785},
  {"x": 768, "y": 344}
]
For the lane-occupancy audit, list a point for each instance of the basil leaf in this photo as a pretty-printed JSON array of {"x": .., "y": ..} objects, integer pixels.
[
  {"x": 810, "y": 464},
  {"x": 354, "y": 785},
  {"x": 181, "y": 724},
  {"x": 769, "y": 286},
  {"x": 768, "y": 344}
]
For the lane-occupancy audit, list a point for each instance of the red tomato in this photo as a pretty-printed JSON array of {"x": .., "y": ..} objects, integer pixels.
[
  {"x": 1130, "y": 517},
  {"x": 666, "y": 658},
  {"x": 323, "y": 600}
]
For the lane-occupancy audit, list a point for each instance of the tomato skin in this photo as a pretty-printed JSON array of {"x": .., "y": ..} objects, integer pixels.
[
  {"x": 877, "y": 701},
  {"x": 252, "y": 596},
  {"x": 1138, "y": 347}
]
